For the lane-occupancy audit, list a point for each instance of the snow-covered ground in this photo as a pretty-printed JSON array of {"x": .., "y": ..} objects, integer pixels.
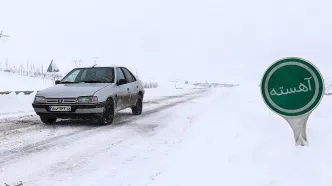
[
  {"x": 219, "y": 137},
  {"x": 185, "y": 136},
  {"x": 225, "y": 136},
  {"x": 52, "y": 155},
  {"x": 13, "y": 82},
  {"x": 239, "y": 141}
]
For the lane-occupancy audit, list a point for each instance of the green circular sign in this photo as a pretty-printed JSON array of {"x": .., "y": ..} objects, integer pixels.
[{"x": 292, "y": 87}]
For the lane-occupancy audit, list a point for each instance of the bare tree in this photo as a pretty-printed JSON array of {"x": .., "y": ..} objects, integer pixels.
[
  {"x": 7, "y": 68},
  {"x": 3, "y": 37},
  {"x": 21, "y": 69},
  {"x": 27, "y": 68}
]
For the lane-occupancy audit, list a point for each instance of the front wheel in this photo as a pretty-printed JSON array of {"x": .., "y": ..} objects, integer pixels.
[
  {"x": 138, "y": 108},
  {"x": 48, "y": 120},
  {"x": 108, "y": 114}
]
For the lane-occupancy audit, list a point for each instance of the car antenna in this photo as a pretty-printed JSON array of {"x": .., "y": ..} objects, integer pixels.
[{"x": 94, "y": 65}]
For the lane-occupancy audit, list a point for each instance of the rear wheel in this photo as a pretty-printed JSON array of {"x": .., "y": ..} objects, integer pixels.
[
  {"x": 138, "y": 108},
  {"x": 108, "y": 114},
  {"x": 48, "y": 121}
]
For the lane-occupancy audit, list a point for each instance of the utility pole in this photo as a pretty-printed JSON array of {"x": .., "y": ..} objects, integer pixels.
[{"x": 77, "y": 62}]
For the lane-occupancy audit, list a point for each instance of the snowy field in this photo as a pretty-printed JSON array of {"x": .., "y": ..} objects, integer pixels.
[{"x": 216, "y": 137}]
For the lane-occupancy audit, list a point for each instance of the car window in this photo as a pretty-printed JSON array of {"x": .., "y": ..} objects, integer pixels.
[
  {"x": 132, "y": 75},
  {"x": 102, "y": 74},
  {"x": 72, "y": 76},
  {"x": 128, "y": 75},
  {"x": 83, "y": 75},
  {"x": 119, "y": 74}
]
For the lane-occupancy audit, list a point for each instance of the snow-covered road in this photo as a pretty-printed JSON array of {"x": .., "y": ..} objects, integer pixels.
[
  {"x": 78, "y": 153},
  {"x": 223, "y": 136}
]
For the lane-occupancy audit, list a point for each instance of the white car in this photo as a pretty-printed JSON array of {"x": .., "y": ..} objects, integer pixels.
[{"x": 90, "y": 93}]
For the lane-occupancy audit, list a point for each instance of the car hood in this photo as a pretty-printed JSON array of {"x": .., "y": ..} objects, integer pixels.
[{"x": 72, "y": 90}]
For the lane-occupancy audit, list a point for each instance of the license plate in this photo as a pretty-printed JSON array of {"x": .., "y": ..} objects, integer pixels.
[{"x": 60, "y": 108}]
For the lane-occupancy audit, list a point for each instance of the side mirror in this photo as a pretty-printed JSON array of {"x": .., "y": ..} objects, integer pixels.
[
  {"x": 122, "y": 81},
  {"x": 57, "y": 82}
]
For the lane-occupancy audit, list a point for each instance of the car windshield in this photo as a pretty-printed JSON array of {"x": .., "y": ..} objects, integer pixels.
[{"x": 90, "y": 75}]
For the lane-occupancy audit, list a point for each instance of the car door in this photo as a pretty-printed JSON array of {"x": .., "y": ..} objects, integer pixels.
[
  {"x": 122, "y": 98},
  {"x": 132, "y": 86}
]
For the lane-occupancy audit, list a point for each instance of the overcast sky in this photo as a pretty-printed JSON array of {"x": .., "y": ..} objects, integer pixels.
[{"x": 218, "y": 40}]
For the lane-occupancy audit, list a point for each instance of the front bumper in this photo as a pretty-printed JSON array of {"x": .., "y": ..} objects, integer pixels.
[{"x": 78, "y": 111}]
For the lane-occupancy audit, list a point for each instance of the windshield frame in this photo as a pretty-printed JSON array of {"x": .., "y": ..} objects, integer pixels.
[{"x": 82, "y": 70}]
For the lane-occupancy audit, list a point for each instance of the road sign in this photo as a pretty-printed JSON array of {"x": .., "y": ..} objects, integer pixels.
[{"x": 293, "y": 88}]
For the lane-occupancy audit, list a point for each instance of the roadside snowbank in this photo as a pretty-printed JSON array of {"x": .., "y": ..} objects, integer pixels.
[
  {"x": 13, "y": 82},
  {"x": 16, "y": 105}
]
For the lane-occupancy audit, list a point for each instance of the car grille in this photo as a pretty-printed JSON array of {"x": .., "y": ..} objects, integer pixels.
[{"x": 61, "y": 100}]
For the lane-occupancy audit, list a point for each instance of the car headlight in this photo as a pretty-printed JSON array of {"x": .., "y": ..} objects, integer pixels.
[
  {"x": 88, "y": 99},
  {"x": 40, "y": 99}
]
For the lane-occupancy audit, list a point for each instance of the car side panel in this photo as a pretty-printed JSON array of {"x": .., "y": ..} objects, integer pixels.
[
  {"x": 134, "y": 92},
  {"x": 110, "y": 91},
  {"x": 126, "y": 95},
  {"x": 132, "y": 85},
  {"x": 121, "y": 91}
]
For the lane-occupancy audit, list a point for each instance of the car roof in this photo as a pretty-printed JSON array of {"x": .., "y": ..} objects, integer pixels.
[{"x": 113, "y": 66}]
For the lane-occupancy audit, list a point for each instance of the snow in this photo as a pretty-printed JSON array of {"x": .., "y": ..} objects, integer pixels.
[
  {"x": 85, "y": 155},
  {"x": 241, "y": 142},
  {"x": 16, "y": 105},
  {"x": 226, "y": 136},
  {"x": 169, "y": 88}
]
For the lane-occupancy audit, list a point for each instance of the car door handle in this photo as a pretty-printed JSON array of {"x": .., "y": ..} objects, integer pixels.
[{"x": 128, "y": 89}]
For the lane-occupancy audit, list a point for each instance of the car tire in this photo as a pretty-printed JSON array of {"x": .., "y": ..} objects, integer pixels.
[
  {"x": 48, "y": 121},
  {"x": 108, "y": 114},
  {"x": 138, "y": 108}
]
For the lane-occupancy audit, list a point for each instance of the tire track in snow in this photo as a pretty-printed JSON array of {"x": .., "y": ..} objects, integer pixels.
[
  {"x": 117, "y": 149},
  {"x": 8, "y": 156},
  {"x": 9, "y": 124},
  {"x": 165, "y": 98},
  {"x": 76, "y": 161},
  {"x": 10, "y": 127}
]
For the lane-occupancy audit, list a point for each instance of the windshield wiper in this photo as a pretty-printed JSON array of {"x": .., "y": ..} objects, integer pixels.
[
  {"x": 67, "y": 82},
  {"x": 93, "y": 81}
]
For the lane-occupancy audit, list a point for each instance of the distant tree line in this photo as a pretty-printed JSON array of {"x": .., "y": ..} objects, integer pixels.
[{"x": 29, "y": 70}]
